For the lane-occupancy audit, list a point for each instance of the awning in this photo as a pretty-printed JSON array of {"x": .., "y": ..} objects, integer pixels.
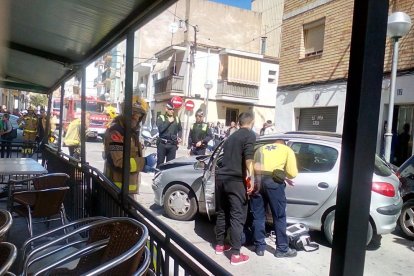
[
  {"x": 48, "y": 41},
  {"x": 243, "y": 70},
  {"x": 163, "y": 63}
]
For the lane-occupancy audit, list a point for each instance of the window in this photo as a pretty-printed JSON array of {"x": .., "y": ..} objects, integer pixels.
[
  {"x": 313, "y": 36},
  {"x": 314, "y": 158},
  {"x": 272, "y": 76},
  {"x": 231, "y": 115}
]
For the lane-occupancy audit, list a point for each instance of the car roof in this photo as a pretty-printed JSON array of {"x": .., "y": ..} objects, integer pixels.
[{"x": 312, "y": 135}]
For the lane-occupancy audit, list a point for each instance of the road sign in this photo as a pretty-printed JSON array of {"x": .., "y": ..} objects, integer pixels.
[
  {"x": 189, "y": 105},
  {"x": 177, "y": 102}
]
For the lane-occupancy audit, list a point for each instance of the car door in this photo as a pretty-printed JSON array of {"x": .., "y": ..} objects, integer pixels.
[
  {"x": 318, "y": 166},
  {"x": 209, "y": 180}
]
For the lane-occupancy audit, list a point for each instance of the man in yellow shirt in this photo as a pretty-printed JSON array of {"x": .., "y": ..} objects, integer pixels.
[{"x": 270, "y": 157}]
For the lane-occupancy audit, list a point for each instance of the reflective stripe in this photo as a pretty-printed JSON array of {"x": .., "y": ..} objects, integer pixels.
[
  {"x": 131, "y": 187},
  {"x": 28, "y": 130},
  {"x": 133, "y": 165}
]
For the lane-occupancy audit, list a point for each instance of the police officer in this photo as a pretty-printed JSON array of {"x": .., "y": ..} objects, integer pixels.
[
  {"x": 114, "y": 148},
  {"x": 29, "y": 124},
  {"x": 200, "y": 135},
  {"x": 272, "y": 157},
  {"x": 170, "y": 131}
]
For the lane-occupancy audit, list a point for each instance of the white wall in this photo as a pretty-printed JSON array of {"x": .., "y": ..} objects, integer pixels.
[
  {"x": 287, "y": 102},
  {"x": 267, "y": 91}
]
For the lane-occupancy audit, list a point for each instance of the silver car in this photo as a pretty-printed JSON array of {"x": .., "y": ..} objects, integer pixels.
[{"x": 187, "y": 185}]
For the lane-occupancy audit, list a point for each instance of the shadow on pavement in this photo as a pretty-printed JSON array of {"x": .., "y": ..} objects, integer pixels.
[
  {"x": 204, "y": 228},
  {"x": 157, "y": 210}
]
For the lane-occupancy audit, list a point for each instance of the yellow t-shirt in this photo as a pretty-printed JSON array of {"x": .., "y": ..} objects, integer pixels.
[{"x": 276, "y": 156}]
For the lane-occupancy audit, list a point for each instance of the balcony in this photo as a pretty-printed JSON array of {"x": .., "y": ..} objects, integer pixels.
[
  {"x": 170, "y": 84},
  {"x": 237, "y": 90}
]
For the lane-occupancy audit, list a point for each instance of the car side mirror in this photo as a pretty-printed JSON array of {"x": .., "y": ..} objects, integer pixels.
[{"x": 199, "y": 165}]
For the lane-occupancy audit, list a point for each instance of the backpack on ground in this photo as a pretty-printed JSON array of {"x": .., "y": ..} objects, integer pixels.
[{"x": 299, "y": 238}]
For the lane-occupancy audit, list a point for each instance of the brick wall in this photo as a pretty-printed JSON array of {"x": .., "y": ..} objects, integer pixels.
[{"x": 333, "y": 63}]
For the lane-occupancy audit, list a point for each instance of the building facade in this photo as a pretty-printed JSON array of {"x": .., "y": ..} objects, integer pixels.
[
  {"x": 199, "y": 42},
  {"x": 314, "y": 65}
]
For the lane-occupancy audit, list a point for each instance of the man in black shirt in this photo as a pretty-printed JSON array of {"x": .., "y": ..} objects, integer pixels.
[
  {"x": 200, "y": 135},
  {"x": 169, "y": 128},
  {"x": 231, "y": 190}
]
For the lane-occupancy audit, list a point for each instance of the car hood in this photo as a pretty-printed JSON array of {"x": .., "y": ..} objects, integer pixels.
[{"x": 183, "y": 161}]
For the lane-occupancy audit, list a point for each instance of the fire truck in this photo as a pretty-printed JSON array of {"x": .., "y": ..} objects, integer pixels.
[{"x": 72, "y": 111}]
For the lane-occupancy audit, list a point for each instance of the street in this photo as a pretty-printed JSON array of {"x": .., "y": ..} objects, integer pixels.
[{"x": 393, "y": 257}]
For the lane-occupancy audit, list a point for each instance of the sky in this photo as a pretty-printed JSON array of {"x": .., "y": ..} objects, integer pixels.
[{"x": 244, "y": 4}]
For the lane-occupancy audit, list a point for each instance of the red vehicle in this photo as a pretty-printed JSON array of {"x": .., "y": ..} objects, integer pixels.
[{"x": 72, "y": 110}]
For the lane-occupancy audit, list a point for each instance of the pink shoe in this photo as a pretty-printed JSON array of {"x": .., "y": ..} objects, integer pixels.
[
  {"x": 239, "y": 259},
  {"x": 220, "y": 249}
]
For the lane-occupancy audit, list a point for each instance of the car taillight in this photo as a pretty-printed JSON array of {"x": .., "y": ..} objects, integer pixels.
[{"x": 383, "y": 188}]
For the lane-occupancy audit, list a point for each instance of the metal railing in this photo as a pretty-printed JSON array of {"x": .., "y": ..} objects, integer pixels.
[
  {"x": 237, "y": 90},
  {"x": 169, "y": 84},
  {"x": 92, "y": 194}
]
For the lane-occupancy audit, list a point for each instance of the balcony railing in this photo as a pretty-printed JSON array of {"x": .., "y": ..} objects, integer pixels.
[
  {"x": 237, "y": 90},
  {"x": 169, "y": 84}
]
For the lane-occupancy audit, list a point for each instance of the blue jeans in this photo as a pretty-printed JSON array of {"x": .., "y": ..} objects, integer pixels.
[{"x": 273, "y": 194}]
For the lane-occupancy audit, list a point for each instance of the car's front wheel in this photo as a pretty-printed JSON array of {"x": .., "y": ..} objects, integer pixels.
[
  {"x": 328, "y": 227},
  {"x": 406, "y": 219},
  {"x": 180, "y": 203}
]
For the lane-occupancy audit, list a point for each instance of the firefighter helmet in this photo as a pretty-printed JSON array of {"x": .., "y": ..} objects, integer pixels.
[{"x": 138, "y": 105}]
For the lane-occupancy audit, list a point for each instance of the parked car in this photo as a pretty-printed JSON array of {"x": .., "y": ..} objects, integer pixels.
[
  {"x": 406, "y": 219},
  {"x": 186, "y": 185},
  {"x": 13, "y": 121}
]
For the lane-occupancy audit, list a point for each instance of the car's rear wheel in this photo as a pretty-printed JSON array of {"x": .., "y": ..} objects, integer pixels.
[
  {"x": 406, "y": 219},
  {"x": 180, "y": 203},
  {"x": 328, "y": 227}
]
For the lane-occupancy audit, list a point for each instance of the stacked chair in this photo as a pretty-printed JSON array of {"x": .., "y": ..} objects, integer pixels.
[
  {"x": 8, "y": 251},
  {"x": 91, "y": 246}
]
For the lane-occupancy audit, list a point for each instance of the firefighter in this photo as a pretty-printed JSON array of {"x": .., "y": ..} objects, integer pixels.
[
  {"x": 73, "y": 136},
  {"x": 29, "y": 124},
  {"x": 114, "y": 148},
  {"x": 200, "y": 135},
  {"x": 170, "y": 131},
  {"x": 111, "y": 112}
]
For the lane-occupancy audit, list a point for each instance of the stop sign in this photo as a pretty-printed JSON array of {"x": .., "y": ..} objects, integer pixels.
[
  {"x": 177, "y": 101},
  {"x": 189, "y": 105}
]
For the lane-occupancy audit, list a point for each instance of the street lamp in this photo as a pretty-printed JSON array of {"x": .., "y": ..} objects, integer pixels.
[
  {"x": 399, "y": 24},
  {"x": 142, "y": 87},
  {"x": 207, "y": 85}
]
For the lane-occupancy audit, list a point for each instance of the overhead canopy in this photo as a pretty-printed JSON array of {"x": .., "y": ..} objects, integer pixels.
[{"x": 50, "y": 40}]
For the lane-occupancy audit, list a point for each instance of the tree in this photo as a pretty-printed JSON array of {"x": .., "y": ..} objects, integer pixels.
[{"x": 38, "y": 100}]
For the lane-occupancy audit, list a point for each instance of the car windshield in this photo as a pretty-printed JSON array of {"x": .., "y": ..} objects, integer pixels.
[{"x": 381, "y": 168}]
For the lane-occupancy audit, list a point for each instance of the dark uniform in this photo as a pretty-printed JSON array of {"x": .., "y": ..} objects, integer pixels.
[
  {"x": 199, "y": 132},
  {"x": 167, "y": 142}
]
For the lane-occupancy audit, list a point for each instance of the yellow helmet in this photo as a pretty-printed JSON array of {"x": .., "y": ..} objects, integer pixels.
[
  {"x": 111, "y": 111},
  {"x": 138, "y": 104}
]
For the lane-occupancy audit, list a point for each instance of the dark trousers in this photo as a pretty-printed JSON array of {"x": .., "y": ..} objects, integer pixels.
[
  {"x": 273, "y": 194},
  {"x": 231, "y": 207},
  {"x": 5, "y": 148},
  {"x": 165, "y": 150},
  {"x": 198, "y": 151},
  {"x": 74, "y": 151}
]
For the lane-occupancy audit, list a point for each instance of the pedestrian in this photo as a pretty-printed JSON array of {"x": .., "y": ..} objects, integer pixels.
[
  {"x": 269, "y": 128},
  {"x": 231, "y": 129},
  {"x": 114, "y": 148},
  {"x": 199, "y": 136},
  {"x": 170, "y": 131},
  {"x": 270, "y": 160},
  {"x": 73, "y": 136},
  {"x": 402, "y": 146},
  {"x": 231, "y": 191},
  {"x": 29, "y": 124},
  {"x": 5, "y": 129}
]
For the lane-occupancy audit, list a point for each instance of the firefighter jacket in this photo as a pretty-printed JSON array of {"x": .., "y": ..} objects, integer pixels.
[
  {"x": 72, "y": 137},
  {"x": 29, "y": 123},
  {"x": 199, "y": 132},
  {"x": 114, "y": 146},
  {"x": 167, "y": 130}
]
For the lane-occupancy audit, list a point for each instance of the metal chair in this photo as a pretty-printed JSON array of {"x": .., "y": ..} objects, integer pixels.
[
  {"x": 6, "y": 221},
  {"x": 40, "y": 204},
  {"x": 111, "y": 246},
  {"x": 8, "y": 253}
]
